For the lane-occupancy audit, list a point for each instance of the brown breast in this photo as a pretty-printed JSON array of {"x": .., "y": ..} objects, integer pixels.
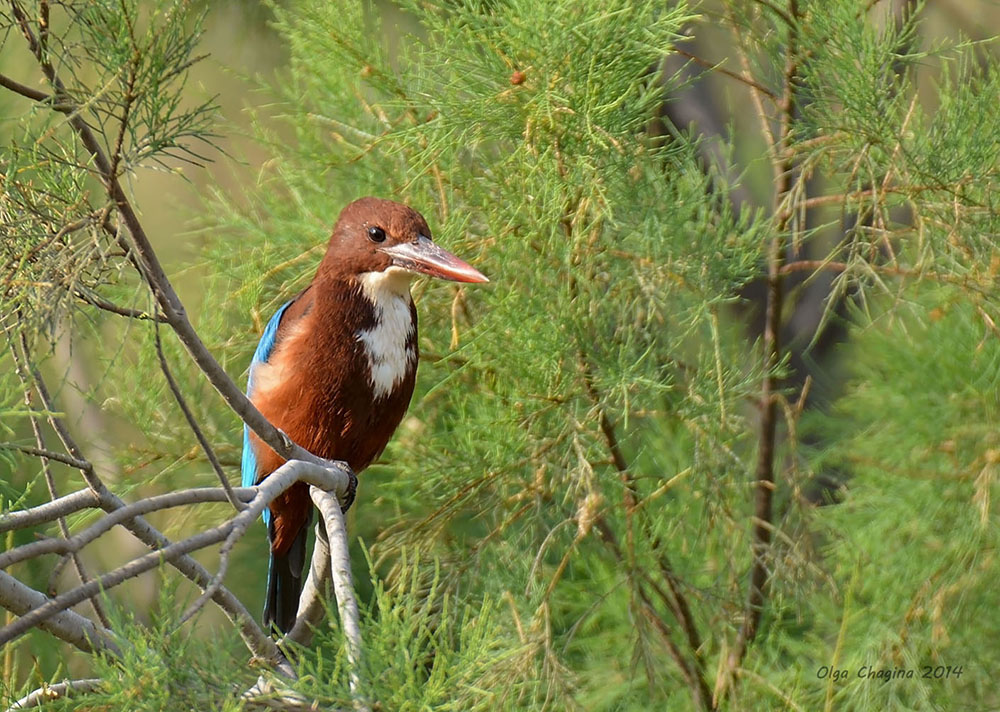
[{"x": 325, "y": 388}]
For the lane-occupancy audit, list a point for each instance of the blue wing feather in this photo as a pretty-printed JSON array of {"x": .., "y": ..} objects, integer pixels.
[{"x": 266, "y": 345}]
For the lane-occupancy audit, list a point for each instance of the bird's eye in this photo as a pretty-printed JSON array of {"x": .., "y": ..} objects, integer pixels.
[{"x": 376, "y": 234}]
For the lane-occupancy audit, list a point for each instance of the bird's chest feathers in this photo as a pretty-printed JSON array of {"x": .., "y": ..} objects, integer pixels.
[{"x": 389, "y": 345}]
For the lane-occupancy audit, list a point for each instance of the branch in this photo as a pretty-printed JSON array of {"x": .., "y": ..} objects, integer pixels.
[
  {"x": 150, "y": 268},
  {"x": 783, "y": 166},
  {"x": 193, "y": 423},
  {"x": 68, "y": 626},
  {"x": 43, "y": 513},
  {"x": 311, "y": 606},
  {"x": 48, "y": 693},
  {"x": 327, "y": 559},
  {"x": 198, "y": 495},
  {"x": 330, "y": 479},
  {"x": 343, "y": 586}
]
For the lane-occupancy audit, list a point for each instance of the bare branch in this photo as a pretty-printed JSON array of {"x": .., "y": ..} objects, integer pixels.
[
  {"x": 198, "y": 495},
  {"x": 66, "y": 625},
  {"x": 314, "y": 591},
  {"x": 343, "y": 586},
  {"x": 47, "y": 454},
  {"x": 43, "y": 513},
  {"x": 332, "y": 479},
  {"x": 48, "y": 693}
]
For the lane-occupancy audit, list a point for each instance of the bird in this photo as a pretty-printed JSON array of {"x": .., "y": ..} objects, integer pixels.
[{"x": 335, "y": 368}]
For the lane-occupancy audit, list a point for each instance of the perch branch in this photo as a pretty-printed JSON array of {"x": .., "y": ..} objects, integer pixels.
[
  {"x": 311, "y": 608},
  {"x": 343, "y": 586}
]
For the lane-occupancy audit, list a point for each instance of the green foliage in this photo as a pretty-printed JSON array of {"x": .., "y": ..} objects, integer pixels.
[
  {"x": 426, "y": 650},
  {"x": 914, "y": 540}
]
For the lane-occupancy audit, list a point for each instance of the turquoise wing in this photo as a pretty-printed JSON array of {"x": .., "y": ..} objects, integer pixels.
[{"x": 265, "y": 347}]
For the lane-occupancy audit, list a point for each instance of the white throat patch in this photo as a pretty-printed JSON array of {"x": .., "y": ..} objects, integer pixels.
[{"x": 385, "y": 344}]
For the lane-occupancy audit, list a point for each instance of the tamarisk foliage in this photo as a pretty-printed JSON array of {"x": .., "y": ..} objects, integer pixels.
[{"x": 622, "y": 484}]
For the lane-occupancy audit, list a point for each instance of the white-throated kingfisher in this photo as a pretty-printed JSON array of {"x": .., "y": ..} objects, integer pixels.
[{"x": 335, "y": 368}]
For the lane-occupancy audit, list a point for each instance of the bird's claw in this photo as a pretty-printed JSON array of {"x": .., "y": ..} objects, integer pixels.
[{"x": 351, "y": 493}]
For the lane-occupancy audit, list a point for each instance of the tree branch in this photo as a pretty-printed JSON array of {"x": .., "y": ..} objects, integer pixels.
[
  {"x": 68, "y": 626},
  {"x": 47, "y": 454},
  {"x": 343, "y": 586},
  {"x": 783, "y": 166},
  {"x": 49, "y": 693},
  {"x": 314, "y": 591},
  {"x": 330, "y": 479},
  {"x": 193, "y": 423},
  {"x": 43, "y": 513}
]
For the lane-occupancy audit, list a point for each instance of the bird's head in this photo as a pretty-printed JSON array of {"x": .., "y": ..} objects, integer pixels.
[{"x": 375, "y": 236}]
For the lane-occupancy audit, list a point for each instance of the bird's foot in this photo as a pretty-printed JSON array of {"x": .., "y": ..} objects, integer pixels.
[{"x": 351, "y": 493}]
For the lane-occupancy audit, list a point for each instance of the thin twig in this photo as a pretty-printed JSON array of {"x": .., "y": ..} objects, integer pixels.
[
  {"x": 193, "y": 423},
  {"x": 717, "y": 67},
  {"x": 101, "y": 303},
  {"x": 785, "y": 17}
]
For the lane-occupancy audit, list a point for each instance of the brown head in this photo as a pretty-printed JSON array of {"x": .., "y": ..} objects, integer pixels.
[{"x": 374, "y": 235}]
